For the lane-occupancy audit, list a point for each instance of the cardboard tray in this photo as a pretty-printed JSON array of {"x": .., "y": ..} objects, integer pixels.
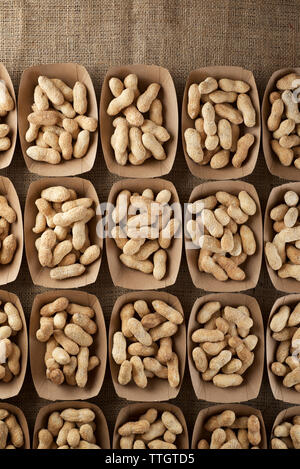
[
  {"x": 286, "y": 414},
  {"x": 288, "y": 285},
  {"x": 11, "y": 119},
  {"x": 70, "y": 73},
  {"x": 39, "y": 275},
  {"x": 250, "y": 387},
  {"x": 273, "y": 163},
  {"x": 279, "y": 391},
  {"x": 9, "y": 272},
  {"x": 13, "y": 388},
  {"x": 134, "y": 411},
  {"x": 102, "y": 434},
  {"x": 253, "y": 263},
  {"x": 157, "y": 389},
  {"x": 18, "y": 413},
  {"x": 229, "y": 172},
  {"x": 45, "y": 388},
  {"x": 123, "y": 276},
  {"x": 147, "y": 74},
  {"x": 240, "y": 410}
]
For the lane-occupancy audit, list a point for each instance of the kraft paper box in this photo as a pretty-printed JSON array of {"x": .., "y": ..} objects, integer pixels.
[
  {"x": 9, "y": 272},
  {"x": 249, "y": 389},
  {"x": 146, "y": 74},
  {"x": 132, "y": 412},
  {"x": 13, "y": 388},
  {"x": 240, "y": 410},
  {"x": 44, "y": 387},
  {"x": 41, "y": 275},
  {"x": 18, "y": 413},
  {"x": 283, "y": 416},
  {"x": 101, "y": 432},
  {"x": 273, "y": 163},
  {"x": 157, "y": 389},
  {"x": 276, "y": 197},
  {"x": 229, "y": 172},
  {"x": 11, "y": 119},
  {"x": 252, "y": 264},
  {"x": 279, "y": 391},
  {"x": 69, "y": 73},
  {"x": 125, "y": 277}
]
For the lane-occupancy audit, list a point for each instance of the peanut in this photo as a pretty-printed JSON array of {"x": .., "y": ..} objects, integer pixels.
[
  {"x": 276, "y": 250},
  {"x": 243, "y": 145},
  {"x": 193, "y": 145},
  {"x": 193, "y": 107}
]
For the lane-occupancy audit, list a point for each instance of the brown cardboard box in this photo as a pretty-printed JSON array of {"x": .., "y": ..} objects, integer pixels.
[
  {"x": 250, "y": 387},
  {"x": 283, "y": 416},
  {"x": 9, "y": 272},
  {"x": 40, "y": 275},
  {"x": 101, "y": 433},
  {"x": 279, "y": 391},
  {"x": 273, "y": 163},
  {"x": 157, "y": 389},
  {"x": 253, "y": 263},
  {"x": 239, "y": 409},
  {"x": 125, "y": 277},
  {"x": 132, "y": 412},
  {"x": 11, "y": 119},
  {"x": 13, "y": 388},
  {"x": 21, "y": 420},
  {"x": 69, "y": 73},
  {"x": 147, "y": 74},
  {"x": 276, "y": 197},
  {"x": 229, "y": 172},
  {"x": 45, "y": 388}
]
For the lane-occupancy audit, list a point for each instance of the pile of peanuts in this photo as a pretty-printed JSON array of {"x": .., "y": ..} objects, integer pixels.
[
  {"x": 220, "y": 230},
  {"x": 287, "y": 435},
  {"x": 151, "y": 431},
  {"x": 226, "y": 108},
  {"x": 137, "y": 135},
  {"x": 69, "y": 429},
  {"x": 224, "y": 344},
  {"x": 6, "y": 105},
  {"x": 63, "y": 130},
  {"x": 8, "y": 241},
  {"x": 285, "y": 327},
  {"x": 228, "y": 431},
  {"x": 144, "y": 227},
  {"x": 283, "y": 253},
  {"x": 67, "y": 329},
  {"x": 11, "y": 433},
  {"x": 10, "y": 325},
  {"x": 62, "y": 223},
  {"x": 284, "y": 120},
  {"x": 142, "y": 335}
]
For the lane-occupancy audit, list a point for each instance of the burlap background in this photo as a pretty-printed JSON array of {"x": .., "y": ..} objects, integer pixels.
[{"x": 180, "y": 35}]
